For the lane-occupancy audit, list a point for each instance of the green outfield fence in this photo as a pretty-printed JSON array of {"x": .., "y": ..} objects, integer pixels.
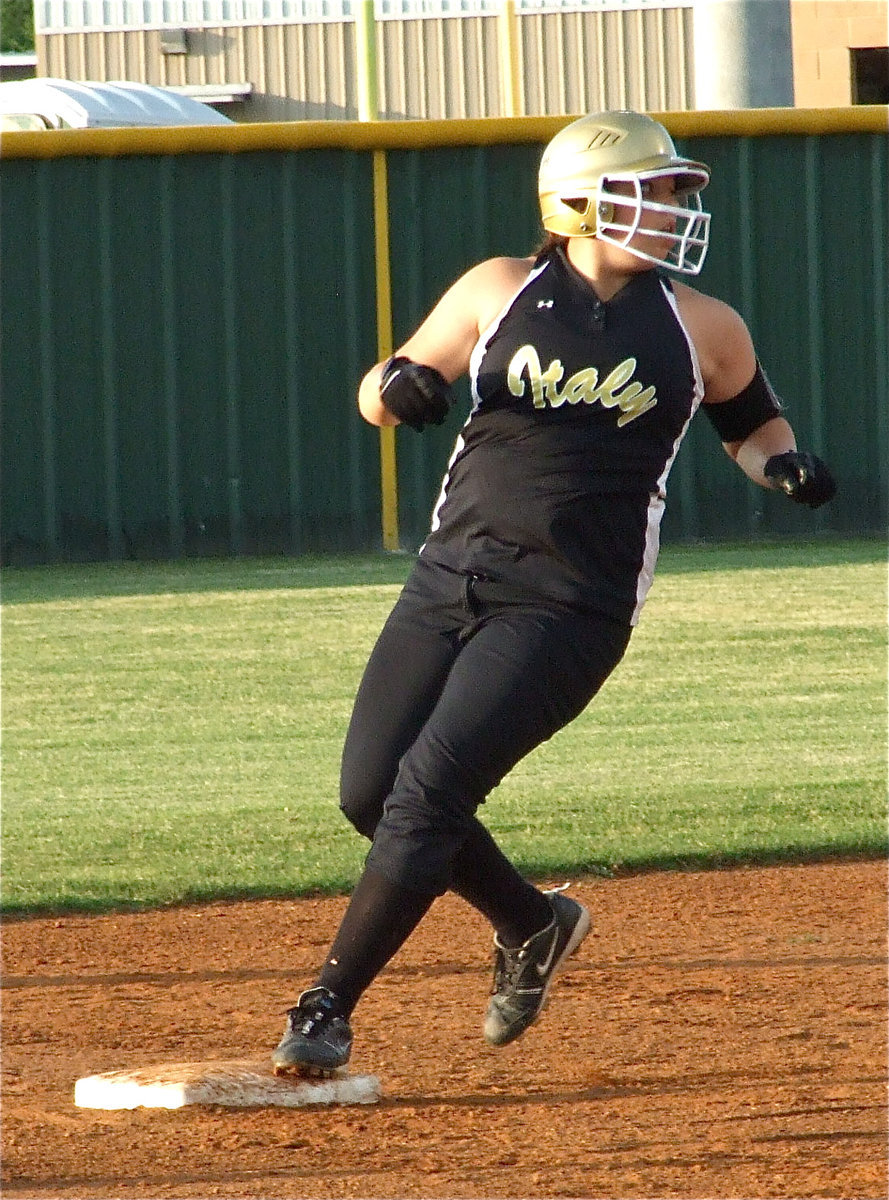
[{"x": 186, "y": 314}]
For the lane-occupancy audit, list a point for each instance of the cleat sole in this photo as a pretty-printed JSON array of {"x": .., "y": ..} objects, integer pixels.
[{"x": 304, "y": 1071}]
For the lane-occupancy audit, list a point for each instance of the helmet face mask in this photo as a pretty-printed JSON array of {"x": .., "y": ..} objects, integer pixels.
[
  {"x": 592, "y": 184},
  {"x": 682, "y": 248}
]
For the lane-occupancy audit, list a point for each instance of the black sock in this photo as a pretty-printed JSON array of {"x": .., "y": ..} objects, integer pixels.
[
  {"x": 486, "y": 879},
  {"x": 380, "y": 917}
]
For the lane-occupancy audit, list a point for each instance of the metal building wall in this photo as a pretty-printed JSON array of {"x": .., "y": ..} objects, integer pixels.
[
  {"x": 186, "y": 315},
  {"x": 428, "y": 68},
  {"x": 582, "y": 61},
  {"x": 298, "y": 71}
]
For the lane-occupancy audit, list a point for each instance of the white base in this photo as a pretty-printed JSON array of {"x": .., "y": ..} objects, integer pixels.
[{"x": 235, "y": 1084}]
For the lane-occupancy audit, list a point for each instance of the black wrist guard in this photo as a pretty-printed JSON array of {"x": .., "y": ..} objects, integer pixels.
[
  {"x": 735, "y": 419},
  {"x": 418, "y": 395},
  {"x": 804, "y": 477}
]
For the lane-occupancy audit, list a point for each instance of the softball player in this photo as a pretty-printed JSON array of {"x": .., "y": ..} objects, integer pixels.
[{"x": 586, "y": 364}]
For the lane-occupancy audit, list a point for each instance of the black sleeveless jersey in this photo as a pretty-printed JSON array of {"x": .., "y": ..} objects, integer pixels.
[{"x": 556, "y": 484}]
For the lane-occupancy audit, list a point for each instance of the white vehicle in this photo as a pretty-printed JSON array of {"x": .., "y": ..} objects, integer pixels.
[{"x": 66, "y": 104}]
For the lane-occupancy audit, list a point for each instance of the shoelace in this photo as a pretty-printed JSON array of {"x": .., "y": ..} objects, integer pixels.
[
  {"x": 512, "y": 963},
  {"x": 311, "y": 1020},
  {"x": 510, "y": 967}
]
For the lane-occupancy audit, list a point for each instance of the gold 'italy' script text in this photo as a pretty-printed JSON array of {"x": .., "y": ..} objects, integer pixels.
[{"x": 617, "y": 390}]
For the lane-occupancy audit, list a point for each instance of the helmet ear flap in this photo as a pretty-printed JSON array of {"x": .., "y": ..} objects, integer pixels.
[{"x": 602, "y": 210}]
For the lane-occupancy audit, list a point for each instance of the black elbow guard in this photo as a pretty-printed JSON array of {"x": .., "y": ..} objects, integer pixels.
[
  {"x": 418, "y": 395},
  {"x": 735, "y": 419}
]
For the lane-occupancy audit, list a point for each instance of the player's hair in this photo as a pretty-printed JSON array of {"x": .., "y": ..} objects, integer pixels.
[{"x": 549, "y": 243}]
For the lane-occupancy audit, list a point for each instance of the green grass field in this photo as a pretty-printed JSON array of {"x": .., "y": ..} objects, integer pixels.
[{"x": 172, "y": 731}]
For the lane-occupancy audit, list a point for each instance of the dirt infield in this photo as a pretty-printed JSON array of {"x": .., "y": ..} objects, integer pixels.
[{"x": 719, "y": 1034}]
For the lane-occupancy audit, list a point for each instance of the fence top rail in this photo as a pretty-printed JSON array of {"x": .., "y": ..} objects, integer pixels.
[{"x": 418, "y": 135}]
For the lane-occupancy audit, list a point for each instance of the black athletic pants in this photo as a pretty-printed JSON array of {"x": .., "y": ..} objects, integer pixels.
[{"x": 464, "y": 681}]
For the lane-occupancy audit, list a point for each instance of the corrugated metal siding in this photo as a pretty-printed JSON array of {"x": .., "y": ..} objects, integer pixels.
[
  {"x": 430, "y": 68},
  {"x": 180, "y": 355},
  {"x": 582, "y": 61},
  {"x": 52, "y": 15},
  {"x": 813, "y": 289},
  {"x": 439, "y": 67},
  {"x": 183, "y": 335},
  {"x": 299, "y": 72}
]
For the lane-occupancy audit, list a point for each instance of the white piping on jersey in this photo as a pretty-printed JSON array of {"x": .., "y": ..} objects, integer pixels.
[
  {"x": 475, "y": 360},
  {"x": 656, "y": 502}
]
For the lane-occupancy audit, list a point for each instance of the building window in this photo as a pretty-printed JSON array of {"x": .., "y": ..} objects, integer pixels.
[{"x": 870, "y": 75}]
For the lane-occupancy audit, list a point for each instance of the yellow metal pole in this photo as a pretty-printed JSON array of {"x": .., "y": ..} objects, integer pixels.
[
  {"x": 368, "y": 110},
  {"x": 510, "y": 76},
  {"x": 366, "y": 61},
  {"x": 388, "y": 465}
]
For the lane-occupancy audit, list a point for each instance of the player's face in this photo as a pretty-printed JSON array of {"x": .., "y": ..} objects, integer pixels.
[
  {"x": 660, "y": 222},
  {"x": 660, "y": 190}
]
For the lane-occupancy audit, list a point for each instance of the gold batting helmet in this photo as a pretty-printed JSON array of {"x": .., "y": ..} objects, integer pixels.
[{"x": 584, "y": 161}]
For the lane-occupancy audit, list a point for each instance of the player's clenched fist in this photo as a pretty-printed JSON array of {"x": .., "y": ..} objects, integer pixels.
[
  {"x": 804, "y": 477},
  {"x": 418, "y": 395}
]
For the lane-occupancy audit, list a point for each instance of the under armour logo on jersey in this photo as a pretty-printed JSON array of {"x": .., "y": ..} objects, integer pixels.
[
  {"x": 617, "y": 390},
  {"x": 544, "y": 303}
]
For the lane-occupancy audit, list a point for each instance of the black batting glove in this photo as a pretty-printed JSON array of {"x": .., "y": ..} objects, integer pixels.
[
  {"x": 418, "y": 395},
  {"x": 804, "y": 477}
]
